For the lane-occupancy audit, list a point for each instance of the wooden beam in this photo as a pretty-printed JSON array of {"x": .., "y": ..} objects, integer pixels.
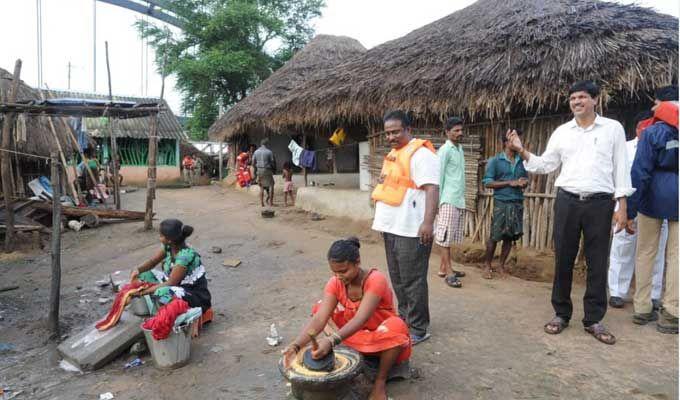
[
  {"x": 55, "y": 287},
  {"x": 114, "y": 147},
  {"x": 153, "y": 150},
  {"x": 83, "y": 211},
  {"x": 5, "y": 161}
]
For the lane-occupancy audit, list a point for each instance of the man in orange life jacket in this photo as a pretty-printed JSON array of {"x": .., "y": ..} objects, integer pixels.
[{"x": 406, "y": 199}]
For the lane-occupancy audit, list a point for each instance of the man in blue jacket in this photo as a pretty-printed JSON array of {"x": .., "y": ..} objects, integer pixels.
[{"x": 655, "y": 177}]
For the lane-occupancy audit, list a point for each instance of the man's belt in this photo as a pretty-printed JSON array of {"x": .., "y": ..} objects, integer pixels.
[{"x": 588, "y": 196}]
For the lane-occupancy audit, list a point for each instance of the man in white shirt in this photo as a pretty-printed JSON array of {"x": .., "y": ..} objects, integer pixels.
[
  {"x": 591, "y": 150},
  {"x": 406, "y": 204}
]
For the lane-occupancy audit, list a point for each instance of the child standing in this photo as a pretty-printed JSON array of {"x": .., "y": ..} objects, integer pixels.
[{"x": 288, "y": 184}]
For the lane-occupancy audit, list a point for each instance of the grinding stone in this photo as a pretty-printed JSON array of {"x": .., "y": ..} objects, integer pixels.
[{"x": 325, "y": 364}]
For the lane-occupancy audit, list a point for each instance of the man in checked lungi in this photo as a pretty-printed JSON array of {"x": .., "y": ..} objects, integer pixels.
[
  {"x": 505, "y": 174},
  {"x": 451, "y": 217}
]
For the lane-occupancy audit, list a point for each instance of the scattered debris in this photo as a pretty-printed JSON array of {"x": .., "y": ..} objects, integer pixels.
[
  {"x": 75, "y": 225},
  {"x": 106, "y": 396},
  {"x": 231, "y": 262},
  {"x": 134, "y": 363},
  {"x": 7, "y": 393},
  {"x": 103, "y": 300},
  {"x": 8, "y": 288},
  {"x": 103, "y": 283},
  {"x": 274, "y": 339},
  {"x": 216, "y": 249},
  {"x": 6, "y": 347},
  {"x": 139, "y": 347},
  {"x": 317, "y": 217},
  {"x": 216, "y": 349},
  {"x": 67, "y": 366},
  {"x": 267, "y": 213}
]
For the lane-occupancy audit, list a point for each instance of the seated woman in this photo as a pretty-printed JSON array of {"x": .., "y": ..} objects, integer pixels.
[
  {"x": 182, "y": 274},
  {"x": 360, "y": 303}
]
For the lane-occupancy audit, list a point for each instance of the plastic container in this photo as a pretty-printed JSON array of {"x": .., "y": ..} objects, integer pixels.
[
  {"x": 172, "y": 352},
  {"x": 139, "y": 307}
]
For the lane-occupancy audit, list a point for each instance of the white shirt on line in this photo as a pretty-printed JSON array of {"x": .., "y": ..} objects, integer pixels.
[
  {"x": 593, "y": 159},
  {"x": 405, "y": 219}
]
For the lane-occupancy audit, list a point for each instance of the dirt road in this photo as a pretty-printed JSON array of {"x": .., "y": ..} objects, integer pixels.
[{"x": 487, "y": 342}]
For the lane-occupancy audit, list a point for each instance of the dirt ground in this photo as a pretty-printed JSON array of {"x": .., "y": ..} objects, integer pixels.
[{"x": 487, "y": 343}]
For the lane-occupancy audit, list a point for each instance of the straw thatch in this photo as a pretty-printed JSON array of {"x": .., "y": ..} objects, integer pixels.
[
  {"x": 138, "y": 128},
  {"x": 39, "y": 138},
  {"x": 497, "y": 58},
  {"x": 318, "y": 56}
]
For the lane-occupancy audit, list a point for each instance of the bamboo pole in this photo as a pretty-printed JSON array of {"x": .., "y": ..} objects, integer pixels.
[
  {"x": 55, "y": 288},
  {"x": 5, "y": 158},
  {"x": 112, "y": 135},
  {"x": 304, "y": 146},
  {"x": 153, "y": 150},
  {"x": 72, "y": 186}
]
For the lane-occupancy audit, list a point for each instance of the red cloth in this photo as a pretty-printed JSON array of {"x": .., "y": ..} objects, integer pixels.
[
  {"x": 122, "y": 299},
  {"x": 642, "y": 125},
  {"x": 161, "y": 324},
  {"x": 667, "y": 112},
  {"x": 384, "y": 329}
]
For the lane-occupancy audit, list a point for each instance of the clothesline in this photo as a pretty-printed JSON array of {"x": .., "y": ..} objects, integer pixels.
[
  {"x": 25, "y": 154},
  {"x": 329, "y": 147}
]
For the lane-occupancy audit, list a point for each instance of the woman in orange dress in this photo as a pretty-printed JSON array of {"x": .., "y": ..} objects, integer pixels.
[{"x": 360, "y": 304}]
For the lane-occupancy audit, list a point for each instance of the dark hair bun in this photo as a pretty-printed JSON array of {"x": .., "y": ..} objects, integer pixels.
[
  {"x": 187, "y": 230},
  {"x": 355, "y": 241}
]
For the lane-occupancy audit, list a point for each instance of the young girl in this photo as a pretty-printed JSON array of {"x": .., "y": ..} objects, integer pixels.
[
  {"x": 288, "y": 183},
  {"x": 360, "y": 304},
  {"x": 182, "y": 274}
]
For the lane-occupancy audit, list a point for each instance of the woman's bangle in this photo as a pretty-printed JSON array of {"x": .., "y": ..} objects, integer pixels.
[{"x": 336, "y": 339}]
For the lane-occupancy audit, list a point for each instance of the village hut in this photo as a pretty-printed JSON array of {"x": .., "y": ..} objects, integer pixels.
[
  {"x": 499, "y": 65},
  {"x": 132, "y": 139},
  {"x": 32, "y": 136},
  {"x": 248, "y": 121}
]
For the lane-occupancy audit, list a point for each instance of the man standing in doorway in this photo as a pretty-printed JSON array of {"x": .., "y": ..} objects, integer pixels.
[
  {"x": 265, "y": 166},
  {"x": 592, "y": 152},
  {"x": 406, "y": 203},
  {"x": 505, "y": 174},
  {"x": 451, "y": 216}
]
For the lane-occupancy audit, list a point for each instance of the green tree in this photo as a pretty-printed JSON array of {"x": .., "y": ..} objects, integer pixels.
[{"x": 226, "y": 48}]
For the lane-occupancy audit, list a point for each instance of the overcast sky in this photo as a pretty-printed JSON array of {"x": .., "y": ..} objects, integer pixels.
[{"x": 67, "y": 27}]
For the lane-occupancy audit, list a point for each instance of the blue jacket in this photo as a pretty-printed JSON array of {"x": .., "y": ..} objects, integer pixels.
[{"x": 655, "y": 174}]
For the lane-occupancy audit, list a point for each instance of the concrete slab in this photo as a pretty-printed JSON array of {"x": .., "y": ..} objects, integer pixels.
[
  {"x": 353, "y": 204},
  {"x": 92, "y": 349}
]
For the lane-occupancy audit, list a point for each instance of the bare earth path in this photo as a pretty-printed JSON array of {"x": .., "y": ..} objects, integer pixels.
[{"x": 487, "y": 342}]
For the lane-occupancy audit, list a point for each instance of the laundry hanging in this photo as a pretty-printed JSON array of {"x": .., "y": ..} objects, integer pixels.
[
  {"x": 308, "y": 159},
  {"x": 296, "y": 150},
  {"x": 338, "y": 137}
]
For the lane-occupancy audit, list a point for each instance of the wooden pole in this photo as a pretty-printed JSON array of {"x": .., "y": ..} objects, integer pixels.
[
  {"x": 153, "y": 149},
  {"x": 112, "y": 135},
  {"x": 74, "y": 187},
  {"x": 55, "y": 289},
  {"x": 6, "y": 160},
  {"x": 304, "y": 146},
  {"x": 220, "y": 161}
]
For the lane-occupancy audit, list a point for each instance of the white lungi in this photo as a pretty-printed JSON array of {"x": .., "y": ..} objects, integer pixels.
[{"x": 622, "y": 263}]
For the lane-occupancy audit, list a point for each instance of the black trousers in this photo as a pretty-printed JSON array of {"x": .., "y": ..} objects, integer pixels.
[
  {"x": 593, "y": 219},
  {"x": 407, "y": 262}
]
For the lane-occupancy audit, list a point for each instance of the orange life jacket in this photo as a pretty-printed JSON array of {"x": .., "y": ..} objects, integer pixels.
[{"x": 395, "y": 177}]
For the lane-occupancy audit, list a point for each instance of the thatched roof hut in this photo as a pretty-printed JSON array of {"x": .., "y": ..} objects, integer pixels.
[
  {"x": 318, "y": 56},
  {"x": 38, "y": 135},
  {"x": 495, "y": 59}
]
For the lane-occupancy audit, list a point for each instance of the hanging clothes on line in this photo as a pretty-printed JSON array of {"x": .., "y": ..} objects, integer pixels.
[
  {"x": 338, "y": 137},
  {"x": 296, "y": 150},
  {"x": 308, "y": 159}
]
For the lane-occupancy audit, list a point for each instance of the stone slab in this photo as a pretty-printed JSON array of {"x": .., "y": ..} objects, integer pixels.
[{"x": 92, "y": 349}]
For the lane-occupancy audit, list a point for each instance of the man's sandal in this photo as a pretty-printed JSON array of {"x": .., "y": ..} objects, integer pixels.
[
  {"x": 600, "y": 333},
  {"x": 453, "y": 281},
  {"x": 555, "y": 326}
]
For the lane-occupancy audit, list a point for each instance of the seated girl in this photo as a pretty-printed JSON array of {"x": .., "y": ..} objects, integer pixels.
[
  {"x": 360, "y": 304},
  {"x": 182, "y": 274}
]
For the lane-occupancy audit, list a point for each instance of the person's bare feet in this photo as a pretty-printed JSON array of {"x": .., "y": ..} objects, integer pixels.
[
  {"x": 488, "y": 273},
  {"x": 379, "y": 392}
]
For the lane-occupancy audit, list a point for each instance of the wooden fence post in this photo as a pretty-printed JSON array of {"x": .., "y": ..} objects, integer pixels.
[
  {"x": 114, "y": 145},
  {"x": 55, "y": 289},
  {"x": 6, "y": 173}
]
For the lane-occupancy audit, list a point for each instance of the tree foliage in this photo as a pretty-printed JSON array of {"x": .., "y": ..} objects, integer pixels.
[{"x": 226, "y": 48}]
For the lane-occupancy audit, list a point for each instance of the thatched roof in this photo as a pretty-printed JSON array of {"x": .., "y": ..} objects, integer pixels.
[
  {"x": 138, "y": 128},
  {"x": 494, "y": 58},
  {"x": 39, "y": 138},
  {"x": 319, "y": 55}
]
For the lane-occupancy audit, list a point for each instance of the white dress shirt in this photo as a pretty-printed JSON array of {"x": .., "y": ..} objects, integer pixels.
[{"x": 593, "y": 159}]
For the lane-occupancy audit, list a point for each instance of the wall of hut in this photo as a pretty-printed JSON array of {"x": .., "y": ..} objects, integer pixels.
[{"x": 482, "y": 141}]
